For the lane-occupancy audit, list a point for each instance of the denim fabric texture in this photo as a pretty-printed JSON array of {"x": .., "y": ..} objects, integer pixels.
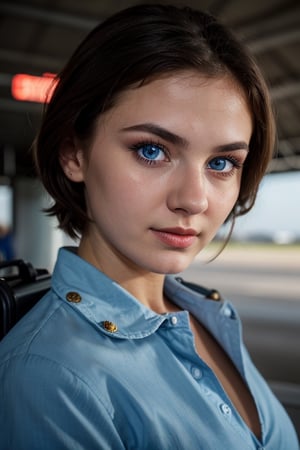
[{"x": 90, "y": 367}]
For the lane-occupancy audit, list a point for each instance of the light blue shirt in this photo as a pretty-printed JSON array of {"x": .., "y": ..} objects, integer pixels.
[{"x": 90, "y": 368}]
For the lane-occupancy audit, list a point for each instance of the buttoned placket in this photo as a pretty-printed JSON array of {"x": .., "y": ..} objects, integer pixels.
[{"x": 208, "y": 383}]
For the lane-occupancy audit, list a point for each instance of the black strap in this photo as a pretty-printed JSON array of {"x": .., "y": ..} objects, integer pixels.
[{"x": 211, "y": 294}]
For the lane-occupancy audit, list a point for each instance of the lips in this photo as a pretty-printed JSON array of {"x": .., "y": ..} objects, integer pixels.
[
  {"x": 180, "y": 231},
  {"x": 176, "y": 237}
]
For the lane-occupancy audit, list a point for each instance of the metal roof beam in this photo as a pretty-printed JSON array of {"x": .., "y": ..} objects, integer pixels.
[
  {"x": 273, "y": 40},
  {"x": 285, "y": 90},
  {"x": 47, "y": 16},
  {"x": 269, "y": 32},
  {"x": 32, "y": 59},
  {"x": 260, "y": 36},
  {"x": 285, "y": 20}
]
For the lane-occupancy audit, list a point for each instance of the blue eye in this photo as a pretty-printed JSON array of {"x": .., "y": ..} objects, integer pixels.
[
  {"x": 150, "y": 152},
  {"x": 221, "y": 164}
]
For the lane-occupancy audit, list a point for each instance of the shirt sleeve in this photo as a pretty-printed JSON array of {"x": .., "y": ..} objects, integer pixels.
[{"x": 46, "y": 406}]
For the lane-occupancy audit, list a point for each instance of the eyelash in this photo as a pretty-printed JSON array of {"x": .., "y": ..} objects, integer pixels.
[
  {"x": 139, "y": 146},
  {"x": 236, "y": 163}
]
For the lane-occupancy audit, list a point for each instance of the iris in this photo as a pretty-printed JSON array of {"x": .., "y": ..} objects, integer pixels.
[{"x": 151, "y": 151}]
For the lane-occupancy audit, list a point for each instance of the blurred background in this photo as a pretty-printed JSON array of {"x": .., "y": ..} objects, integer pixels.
[
  {"x": 260, "y": 270},
  {"x": 36, "y": 39}
]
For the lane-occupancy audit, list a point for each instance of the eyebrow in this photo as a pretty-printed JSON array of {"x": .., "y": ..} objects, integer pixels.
[
  {"x": 160, "y": 132},
  {"x": 240, "y": 145},
  {"x": 180, "y": 141}
]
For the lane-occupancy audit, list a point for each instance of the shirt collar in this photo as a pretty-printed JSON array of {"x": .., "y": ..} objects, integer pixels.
[{"x": 110, "y": 307}]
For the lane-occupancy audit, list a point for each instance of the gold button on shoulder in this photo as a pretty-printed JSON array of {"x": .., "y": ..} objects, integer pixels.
[
  {"x": 214, "y": 295},
  {"x": 73, "y": 297},
  {"x": 110, "y": 326}
]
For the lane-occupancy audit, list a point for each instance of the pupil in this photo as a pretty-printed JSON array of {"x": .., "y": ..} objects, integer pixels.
[
  {"x": 219, "y": 163},
  {"x": 150, "y": 151}
]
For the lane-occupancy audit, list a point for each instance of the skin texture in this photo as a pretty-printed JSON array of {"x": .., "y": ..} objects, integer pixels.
[
  {"x": 140, "y": 204},
  {"x": 162, "y": 173}
]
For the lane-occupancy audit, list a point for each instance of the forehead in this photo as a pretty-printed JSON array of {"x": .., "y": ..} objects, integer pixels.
[{"x": 189, "y": 90}]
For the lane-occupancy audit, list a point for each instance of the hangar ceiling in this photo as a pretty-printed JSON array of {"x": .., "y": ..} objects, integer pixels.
[{"x": 38, "y": 36}]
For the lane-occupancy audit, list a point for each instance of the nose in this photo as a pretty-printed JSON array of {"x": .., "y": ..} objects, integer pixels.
[{"x": 188, "y": 192}]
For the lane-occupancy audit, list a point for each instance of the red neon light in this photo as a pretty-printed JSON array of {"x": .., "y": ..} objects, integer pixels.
[{"x": 31, "y": 88}]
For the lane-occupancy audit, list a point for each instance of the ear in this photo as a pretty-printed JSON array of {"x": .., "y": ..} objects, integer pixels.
[{"x": 71, "y": 158}]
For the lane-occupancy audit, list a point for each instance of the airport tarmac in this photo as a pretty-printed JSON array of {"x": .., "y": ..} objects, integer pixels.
[
  {"x": 255, "y": 272},
  {"x": 263, "y": 283}
]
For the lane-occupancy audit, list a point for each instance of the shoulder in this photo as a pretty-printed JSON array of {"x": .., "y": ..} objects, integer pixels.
[
  {"x": 43, "y": 398},
  {"x": 54, "y": 341},
  {"x": 44, "y": 357},
  {"x": 21, "y": 336}
]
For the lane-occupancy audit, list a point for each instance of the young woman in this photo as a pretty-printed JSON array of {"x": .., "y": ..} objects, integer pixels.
[{"x": 159, "y": 130}]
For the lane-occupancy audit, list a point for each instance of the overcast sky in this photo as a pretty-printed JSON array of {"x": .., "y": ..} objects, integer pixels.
[{"x": 277, "y": 209}]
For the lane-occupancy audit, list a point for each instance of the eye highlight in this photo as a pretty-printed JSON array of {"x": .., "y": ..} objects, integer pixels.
[{"x": 150, "y": 152}]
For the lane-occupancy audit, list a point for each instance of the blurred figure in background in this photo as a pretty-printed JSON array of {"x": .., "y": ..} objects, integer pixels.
[{"x": 7, "y": 251}]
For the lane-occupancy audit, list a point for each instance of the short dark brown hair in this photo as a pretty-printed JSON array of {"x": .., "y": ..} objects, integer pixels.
[{"x": 134, "y": 46}]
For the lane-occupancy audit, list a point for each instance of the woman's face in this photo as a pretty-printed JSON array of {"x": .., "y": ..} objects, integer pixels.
[{"x": 163, "y": 171}]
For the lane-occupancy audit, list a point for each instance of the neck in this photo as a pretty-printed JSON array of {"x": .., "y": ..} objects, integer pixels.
[
  {"x": 149, "y": 291},
  {"x": 147, "y": 287}
]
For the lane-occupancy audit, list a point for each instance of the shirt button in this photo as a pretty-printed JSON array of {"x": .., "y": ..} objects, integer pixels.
[
  {"x": 174, "y": 320},
  {"x": 226, "y": 410},
  {"x": 110, "y": 326},
  {"x": 73, "y": 297},
  {"x": 196, "y": 373},
  {"x": 227, "y": 311}
]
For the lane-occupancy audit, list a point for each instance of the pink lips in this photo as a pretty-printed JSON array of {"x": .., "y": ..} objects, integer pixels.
[{"x": 176, "y": 237}]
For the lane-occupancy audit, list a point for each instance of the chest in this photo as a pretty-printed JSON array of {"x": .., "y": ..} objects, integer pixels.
[
  {"x": 155, "y": 390},
  {"x": 230, "y": 379}
]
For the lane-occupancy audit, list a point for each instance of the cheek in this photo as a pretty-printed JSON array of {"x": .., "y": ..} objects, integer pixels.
[
  {"x": 117, "y": 192},
  {"x": 223, "y": 201}
]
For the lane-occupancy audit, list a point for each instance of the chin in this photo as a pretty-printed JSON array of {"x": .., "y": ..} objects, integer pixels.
[{"x": 172, "y": 268}]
